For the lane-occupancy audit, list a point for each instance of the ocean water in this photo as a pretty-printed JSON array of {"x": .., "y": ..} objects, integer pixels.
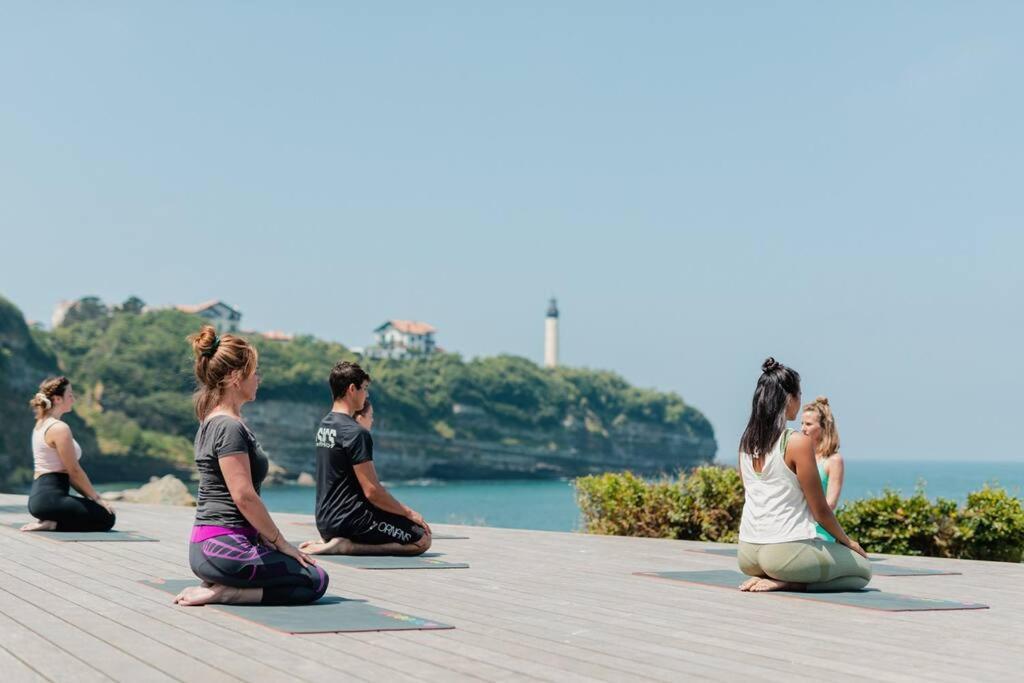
[{"x": 551, "y": 506}]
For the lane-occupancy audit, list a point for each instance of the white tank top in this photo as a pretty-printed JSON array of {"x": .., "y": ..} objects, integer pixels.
[
  {"x": 774, "y": 507},
  {"x": 45, "y": 456}
]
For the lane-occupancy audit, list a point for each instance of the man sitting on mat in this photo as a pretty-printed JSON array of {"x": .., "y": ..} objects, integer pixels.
[{"x": 355, "y": 514}]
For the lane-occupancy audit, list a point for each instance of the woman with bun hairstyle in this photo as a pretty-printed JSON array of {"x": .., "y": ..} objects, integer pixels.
[
  {"x": 236, "y": 548},
  {"x": 819, "y": 424},
  {"x": 57, "y": 469},
  {"x": 784, "y": 501}
]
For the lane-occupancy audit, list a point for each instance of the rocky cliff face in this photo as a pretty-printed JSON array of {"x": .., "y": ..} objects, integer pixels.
[{"x": 286, "y": 430}]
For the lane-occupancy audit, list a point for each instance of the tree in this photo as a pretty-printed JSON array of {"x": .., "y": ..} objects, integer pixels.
[
  {"x": 132, "y": 304},
  {"x": 86, "y": 308}
]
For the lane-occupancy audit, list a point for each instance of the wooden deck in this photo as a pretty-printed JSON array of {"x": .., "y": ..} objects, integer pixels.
[{"x": 533, "y": 606}]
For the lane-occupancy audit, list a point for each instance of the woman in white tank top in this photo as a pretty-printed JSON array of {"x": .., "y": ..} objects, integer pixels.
[
  {"x": 56, "y": 455},
  {"x": 784, "y": 501}
]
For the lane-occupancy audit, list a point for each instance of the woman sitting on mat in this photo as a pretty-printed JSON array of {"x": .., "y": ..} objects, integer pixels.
[
  {"x": 57, "y": 470},
  {"x": 779, "y": 545},
  {"x": 819, "y": 425},
  {"x": 237, "y": 549}
]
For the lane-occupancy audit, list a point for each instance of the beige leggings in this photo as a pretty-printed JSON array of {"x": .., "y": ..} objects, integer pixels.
[{"x": 822, "y": 566}]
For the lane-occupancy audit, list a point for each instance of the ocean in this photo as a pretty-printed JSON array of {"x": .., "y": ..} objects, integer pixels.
[{"x": 551, "y": 506}]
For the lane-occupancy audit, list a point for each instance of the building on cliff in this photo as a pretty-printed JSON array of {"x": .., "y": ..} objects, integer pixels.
[
  {"x": 401, "y": 339},
  {"x": 223, "y": 317}
]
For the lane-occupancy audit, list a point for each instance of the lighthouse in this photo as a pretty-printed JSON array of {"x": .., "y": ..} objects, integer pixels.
[{"x": 551, "y": 336}]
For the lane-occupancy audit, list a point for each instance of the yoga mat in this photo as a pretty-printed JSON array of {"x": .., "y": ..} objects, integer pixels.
[
  {"x": 14, "y": 508},
  {"x": 436, "y": 537},
  {"x": 867, "y": 598},
  {"x": 731, "y": 552},
  {"x": 426, "y": 561},
  {"x": 84, "y": 536},
  {"x": 330, "y": 614},
  {"x": 877, "y": 570}
]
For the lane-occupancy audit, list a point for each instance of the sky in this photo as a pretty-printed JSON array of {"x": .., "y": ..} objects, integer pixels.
[{"x": 701, "y": 185}]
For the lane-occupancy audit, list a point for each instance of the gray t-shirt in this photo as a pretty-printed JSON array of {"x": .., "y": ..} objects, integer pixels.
[{"x": 219, "y": 436}]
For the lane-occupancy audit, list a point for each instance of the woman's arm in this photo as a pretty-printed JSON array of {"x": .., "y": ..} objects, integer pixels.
[
  {"x": 59, "y": 437},
  {"x": 800, "y": 459},
  {"x": 835, "y": 468},
  {"x": 238, "y": 478}
]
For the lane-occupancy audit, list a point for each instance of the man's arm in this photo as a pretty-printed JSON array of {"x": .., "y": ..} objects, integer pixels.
[{"x": 380, "y": 497}]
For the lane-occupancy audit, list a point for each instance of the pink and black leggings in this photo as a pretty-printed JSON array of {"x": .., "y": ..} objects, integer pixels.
[{"x": 234, "y": 556}]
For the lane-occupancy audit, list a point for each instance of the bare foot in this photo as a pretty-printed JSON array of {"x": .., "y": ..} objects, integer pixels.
[
  {"x": 335, "y": 546},
  {"x": 749, "y": 583},
  {"x": 210, "y": 593},
  {"x": 765, "y": 585},
  {"x": 40, "y": 525}
]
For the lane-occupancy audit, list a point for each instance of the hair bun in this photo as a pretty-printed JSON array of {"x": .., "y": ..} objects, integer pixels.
[
  {"x": 769, "y": 364},
  {"x": 823, "y": 400},
  {"x": 205, "y": 342}
]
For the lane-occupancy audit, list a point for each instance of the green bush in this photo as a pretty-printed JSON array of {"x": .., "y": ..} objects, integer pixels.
[
  {"x": 627, "y": 505},
  {"x": 706, "y": 505},
  {"x": 712, "y": 504},
  {"x": 991, "y": 526}
]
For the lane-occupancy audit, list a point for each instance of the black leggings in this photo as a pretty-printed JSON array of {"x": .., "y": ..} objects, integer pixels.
[
  {"x": 51, "y": 500},
  {"x": 241, "y": 561}
]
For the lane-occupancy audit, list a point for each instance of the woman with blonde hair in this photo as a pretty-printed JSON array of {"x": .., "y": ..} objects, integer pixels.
[
  {"x": 236, "y": 548},
  {"x": 56, "y": 457},
  {"x": 819, "y": 424}
]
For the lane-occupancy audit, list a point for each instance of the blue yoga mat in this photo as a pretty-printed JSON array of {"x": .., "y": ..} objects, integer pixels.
[
  {"x": 85, "y": 536},
  {"x": 878, "y": 569},
  {"x": 867, "y": 598},
  {"x": 330, "y": 614}
]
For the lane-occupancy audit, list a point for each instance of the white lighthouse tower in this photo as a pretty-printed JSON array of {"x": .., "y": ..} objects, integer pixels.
[{"x": 551, "y": 336}]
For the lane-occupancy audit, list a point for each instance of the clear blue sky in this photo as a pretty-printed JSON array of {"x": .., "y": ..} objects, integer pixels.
[{"x": 700, "y": 184}]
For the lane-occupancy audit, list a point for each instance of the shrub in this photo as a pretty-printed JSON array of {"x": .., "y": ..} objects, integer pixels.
[
  {"x": 991, "y": 526},
  {"x": 712, "y": 504},
  {"x": 706, "y": 505},
  {"x": 627, "y": 505}
]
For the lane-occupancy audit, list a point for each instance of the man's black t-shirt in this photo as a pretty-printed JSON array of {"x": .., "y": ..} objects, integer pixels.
[{"x": 341, "y": 506}]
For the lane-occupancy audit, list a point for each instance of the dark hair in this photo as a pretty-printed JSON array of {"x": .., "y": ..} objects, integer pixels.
[
  {"x": 48, "y": 388},
  {"x": 768, "y": 409},
  {"x": 367, "y": 406},
  {"x": 216, "y": 358},
  {"x": 344, "y": 374}
]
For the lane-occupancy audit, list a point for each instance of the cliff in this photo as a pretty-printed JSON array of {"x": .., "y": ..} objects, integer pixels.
[{"x": 286, "y": 430}]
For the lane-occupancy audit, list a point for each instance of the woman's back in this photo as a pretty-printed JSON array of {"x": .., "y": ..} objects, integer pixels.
[{"x": 774, "y": 508}]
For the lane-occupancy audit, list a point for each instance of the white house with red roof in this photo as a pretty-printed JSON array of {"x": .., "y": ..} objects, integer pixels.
[{"x": 402, "y": 338}]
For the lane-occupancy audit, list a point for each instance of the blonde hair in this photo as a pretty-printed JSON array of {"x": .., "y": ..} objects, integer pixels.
[
  {"x": 216, "y": 359},
  {"x": 829, "y": 444},
  {"x": 42, "y": 402}
]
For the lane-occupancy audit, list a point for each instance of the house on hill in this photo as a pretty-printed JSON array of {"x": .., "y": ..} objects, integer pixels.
[
  {"x": 402, "y": 338},
  {"x": 223, "y": 317}
]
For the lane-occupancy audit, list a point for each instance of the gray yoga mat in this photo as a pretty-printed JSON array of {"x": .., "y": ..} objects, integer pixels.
[
  {"x": 14, "y": 508},
  {"x": 425, "y": 561},
  {"x": 878, "y": 569},
  {"x": 330, "y": 614},
  {"x": 436, "y": 537},
  {"x": 867, "y": 598},
  {"x": 85, "y": 536}
]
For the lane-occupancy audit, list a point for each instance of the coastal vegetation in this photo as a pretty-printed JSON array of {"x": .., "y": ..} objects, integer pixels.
[
  {"x": 132, "y": 372},
  {"x": 705, "y": 504}
]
